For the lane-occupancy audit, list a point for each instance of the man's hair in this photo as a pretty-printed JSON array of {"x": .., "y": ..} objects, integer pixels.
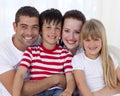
[
  {"x": 26, "y": 11},
  {"x": 50, "y": 15}
]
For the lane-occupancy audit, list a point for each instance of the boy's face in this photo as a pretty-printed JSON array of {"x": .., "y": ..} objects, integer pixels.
[{"x": 50, "y": 34}]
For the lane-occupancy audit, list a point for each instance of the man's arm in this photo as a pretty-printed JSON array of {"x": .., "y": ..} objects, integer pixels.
[
  {"x": 33, "y": 87},
  {"x": 7, "y": 79}
]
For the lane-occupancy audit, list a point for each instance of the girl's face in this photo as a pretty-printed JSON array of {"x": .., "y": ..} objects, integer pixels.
[
  {"x": 71, "y": 33},
  {"x": 92, "y": 47}
]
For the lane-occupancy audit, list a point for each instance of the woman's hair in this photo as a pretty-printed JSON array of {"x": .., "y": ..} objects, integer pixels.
[
  {"x": 95, "y": 28},
  {"x": 75, "y": 14}
]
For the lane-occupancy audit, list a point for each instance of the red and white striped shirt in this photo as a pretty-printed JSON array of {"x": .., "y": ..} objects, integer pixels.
[{"x": 43, "y": 63}]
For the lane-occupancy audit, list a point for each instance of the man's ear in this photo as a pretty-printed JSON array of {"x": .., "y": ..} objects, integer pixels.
[{"x": 14, "y": 26}]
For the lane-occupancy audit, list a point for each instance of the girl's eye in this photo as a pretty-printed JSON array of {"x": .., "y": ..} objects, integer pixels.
[{"x": 96, "y": 39}]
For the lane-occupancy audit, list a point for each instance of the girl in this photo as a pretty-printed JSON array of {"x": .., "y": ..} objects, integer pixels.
[{"x": 95, "y": 69}]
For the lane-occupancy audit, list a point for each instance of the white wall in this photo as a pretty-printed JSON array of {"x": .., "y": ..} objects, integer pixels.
[{"x": 105, "y": 10}]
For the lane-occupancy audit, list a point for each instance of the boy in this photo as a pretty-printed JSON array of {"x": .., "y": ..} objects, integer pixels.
[{"x": 48, "y": 58}]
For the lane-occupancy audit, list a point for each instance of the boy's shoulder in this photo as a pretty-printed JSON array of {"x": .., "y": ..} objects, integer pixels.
[{"x": 64, "y": 50}]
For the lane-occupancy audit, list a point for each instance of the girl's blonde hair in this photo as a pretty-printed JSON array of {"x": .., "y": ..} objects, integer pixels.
[{"x": 95, "y": 28}]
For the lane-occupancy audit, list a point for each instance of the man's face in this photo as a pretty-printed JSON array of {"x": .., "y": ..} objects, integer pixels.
[{"x": 27, "y": 31}]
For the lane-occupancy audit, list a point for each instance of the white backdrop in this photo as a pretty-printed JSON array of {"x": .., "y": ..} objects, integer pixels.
[{"x": 105, "y": 10}]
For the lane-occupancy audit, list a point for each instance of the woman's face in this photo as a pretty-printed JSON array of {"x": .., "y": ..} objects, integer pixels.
[{"x": 71, "y": 33}]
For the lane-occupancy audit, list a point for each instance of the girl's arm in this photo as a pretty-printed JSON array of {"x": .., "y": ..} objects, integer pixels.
[
  {"x": 107, "y": 91},
  {"x": 18, "y": 81},
  {"x": 81, "y": 83},
  {"x": 70, "y": 85}
]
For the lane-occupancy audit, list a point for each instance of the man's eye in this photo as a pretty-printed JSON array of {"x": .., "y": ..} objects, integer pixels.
[
  {"x": 24, "y": 27},
  {"x": 35, "y": 27}
]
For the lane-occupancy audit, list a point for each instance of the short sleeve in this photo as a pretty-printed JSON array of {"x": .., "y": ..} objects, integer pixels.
[
  {"x": 77, "y": 62},
  {"x": 4, "y": 64}
]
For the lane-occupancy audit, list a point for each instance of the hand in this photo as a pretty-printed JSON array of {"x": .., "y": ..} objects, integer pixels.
[
  {"x": 66, "y": 93},
  {"x": 60, "y": 80}
]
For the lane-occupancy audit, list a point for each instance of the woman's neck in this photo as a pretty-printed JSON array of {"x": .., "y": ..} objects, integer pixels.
[{"x": 73, "y": 51}]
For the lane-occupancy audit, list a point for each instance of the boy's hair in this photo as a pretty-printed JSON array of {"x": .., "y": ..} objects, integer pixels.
[
  {"x": 26, "y": 11},
  {"x": 75, "y": 14},
  {"x": 50, "y": 15},
  {"x": 95, "y": 28}
]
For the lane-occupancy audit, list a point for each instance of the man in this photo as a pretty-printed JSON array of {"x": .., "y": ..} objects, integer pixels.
[{"x": 26, "y": 27}]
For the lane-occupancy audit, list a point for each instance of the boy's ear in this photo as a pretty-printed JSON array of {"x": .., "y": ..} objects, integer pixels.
[{"x": 40, "y": 32}]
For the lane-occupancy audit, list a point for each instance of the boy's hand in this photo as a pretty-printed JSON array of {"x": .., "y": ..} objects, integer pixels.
[
  {"x": 60, "y": 80},
  {"x": 66, "y": 93}
]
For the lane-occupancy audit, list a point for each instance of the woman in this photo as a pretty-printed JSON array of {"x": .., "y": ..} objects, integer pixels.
[{"x": 73, "y": 21}]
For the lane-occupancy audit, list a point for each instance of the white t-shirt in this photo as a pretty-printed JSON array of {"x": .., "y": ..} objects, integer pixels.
[
  {"x": 92, "y": 69},
  {"x": 10, "y": 56}
]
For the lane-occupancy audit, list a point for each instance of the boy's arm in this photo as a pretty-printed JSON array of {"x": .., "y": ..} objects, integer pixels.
[
  {"x": 33, "y": 87},
  {"x": 81, "y": 83},
  {"x": 70, "y": 85},
  {"x": 18, "y": 81}
]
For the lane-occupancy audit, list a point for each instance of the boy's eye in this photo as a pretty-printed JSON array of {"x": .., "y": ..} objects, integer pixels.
[
  {"x": 58, "y": 28},
  {"x": 48, "y": 27}
]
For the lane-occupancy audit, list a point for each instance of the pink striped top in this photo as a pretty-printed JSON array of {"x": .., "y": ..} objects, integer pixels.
[{"x": 43, "y": 63}]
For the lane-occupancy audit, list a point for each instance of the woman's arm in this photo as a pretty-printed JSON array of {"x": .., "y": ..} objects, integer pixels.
[{"x": 81, "y": 83}]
